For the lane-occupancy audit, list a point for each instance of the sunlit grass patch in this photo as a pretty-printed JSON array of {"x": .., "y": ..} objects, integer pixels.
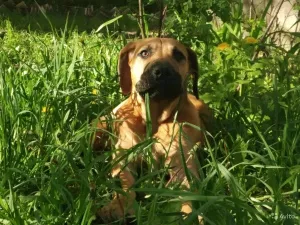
[{"x": 53, "y": 84}]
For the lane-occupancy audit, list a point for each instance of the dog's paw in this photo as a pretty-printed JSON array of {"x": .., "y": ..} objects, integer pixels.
[{"x": 117, "y": 209}]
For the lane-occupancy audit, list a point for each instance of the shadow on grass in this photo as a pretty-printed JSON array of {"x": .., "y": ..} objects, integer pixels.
[{"x": 38, "y": 22}]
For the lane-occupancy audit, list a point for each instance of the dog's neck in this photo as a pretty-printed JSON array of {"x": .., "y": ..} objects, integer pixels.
[{"x": 161, "y": 111}]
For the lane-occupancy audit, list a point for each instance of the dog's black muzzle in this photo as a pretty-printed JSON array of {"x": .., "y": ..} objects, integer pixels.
[{"x": 160, "y": 81}]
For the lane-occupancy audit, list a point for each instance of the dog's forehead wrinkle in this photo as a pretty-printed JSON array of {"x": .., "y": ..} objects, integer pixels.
[
  {"x": 161, "y": 47},
  {"x": 169, "y": 48},
  {"x": 145, "y": 47}
]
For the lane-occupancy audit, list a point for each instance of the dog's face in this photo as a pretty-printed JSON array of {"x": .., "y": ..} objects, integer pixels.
[{"x": 157, "y": 66}]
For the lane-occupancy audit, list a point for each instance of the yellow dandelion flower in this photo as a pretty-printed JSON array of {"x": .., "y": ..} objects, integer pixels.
[
  {"x": 44, "y": 109},
  {"x": 250, "y": 40},
  {"x": 95, "y": 91},
  {"x": 223, "y": 46}
]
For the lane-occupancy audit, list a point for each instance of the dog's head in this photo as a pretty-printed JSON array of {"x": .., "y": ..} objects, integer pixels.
[{"x": 157, "y": 66}]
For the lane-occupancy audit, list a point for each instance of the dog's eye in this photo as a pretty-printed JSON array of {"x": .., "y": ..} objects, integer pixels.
[
  {"x": 178, "y": 55},
  {"x": 144, "y": 53}
]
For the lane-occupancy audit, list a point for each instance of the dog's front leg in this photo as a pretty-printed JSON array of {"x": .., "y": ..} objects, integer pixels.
[
  {"x": 181, "y": 166},
  {"x": 122, "y": 203},
  {"x": 178, "y": 151}
]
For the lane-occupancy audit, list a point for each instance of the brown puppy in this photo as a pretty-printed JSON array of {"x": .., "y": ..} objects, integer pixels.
[{"x": 158, "y": 67}]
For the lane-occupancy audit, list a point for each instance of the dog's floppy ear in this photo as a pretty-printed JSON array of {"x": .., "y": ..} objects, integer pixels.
[
  {"x": 124, "y": 68},
  {"x": 193, "y": 69}
]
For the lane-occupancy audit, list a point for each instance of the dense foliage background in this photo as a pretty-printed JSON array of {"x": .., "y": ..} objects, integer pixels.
[{"x": 57, "y": 74}]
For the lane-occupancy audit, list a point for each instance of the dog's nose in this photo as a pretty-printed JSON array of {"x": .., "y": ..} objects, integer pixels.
[
  {"x": 157, "y": 72},
  {"x": 160, "y": 71}
]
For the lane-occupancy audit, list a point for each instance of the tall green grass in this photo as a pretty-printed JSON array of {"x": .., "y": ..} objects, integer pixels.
[{"x": 53, "y": 84}]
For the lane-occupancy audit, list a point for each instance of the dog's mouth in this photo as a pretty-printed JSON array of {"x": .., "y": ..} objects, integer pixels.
[
  {"x": 161, "y": 81},
  {"x": 144, "y": 89},
  {"x": 168, "y": 88},
  {"x": 151, "y": 91}
]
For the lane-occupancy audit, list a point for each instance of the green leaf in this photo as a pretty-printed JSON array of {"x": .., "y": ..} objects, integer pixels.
[{"x": 108, "y": 22}]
